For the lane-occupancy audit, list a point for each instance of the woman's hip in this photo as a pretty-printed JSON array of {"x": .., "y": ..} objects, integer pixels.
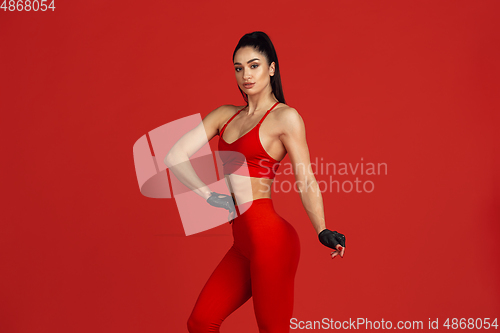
[{"x": 259, "y": 223}]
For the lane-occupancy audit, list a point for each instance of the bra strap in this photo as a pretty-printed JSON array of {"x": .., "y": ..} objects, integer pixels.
[{"x": 268, "y": 111}]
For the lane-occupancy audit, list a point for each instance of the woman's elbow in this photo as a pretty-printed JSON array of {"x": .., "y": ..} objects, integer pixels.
[
  {"x": 175, "y": 156},
  {"x": 169, "y": 159}
]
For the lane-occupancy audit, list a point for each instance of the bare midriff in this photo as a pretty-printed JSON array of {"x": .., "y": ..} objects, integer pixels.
[{"x": 244, "y": 189}]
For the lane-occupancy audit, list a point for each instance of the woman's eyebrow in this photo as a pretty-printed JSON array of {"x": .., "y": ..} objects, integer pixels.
[{"x": 249, "y": 61}]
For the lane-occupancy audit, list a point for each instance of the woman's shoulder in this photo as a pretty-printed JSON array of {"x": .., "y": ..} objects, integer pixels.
[
  {"x": 223, "y": 113},
  {"x": 285, "y": 112},
  {"x": 288, "y": 118},
  {"x": 227, "y": 109},
  {"x": 284, "y": 109}
]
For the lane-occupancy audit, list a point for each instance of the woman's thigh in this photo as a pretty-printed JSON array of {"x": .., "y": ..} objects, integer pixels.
[
  {"x": 227, "y": 289},
  {"x": 273, "y": 268}
]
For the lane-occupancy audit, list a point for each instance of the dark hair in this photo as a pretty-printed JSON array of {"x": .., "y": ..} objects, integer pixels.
[{"x": 262, "y": 43}]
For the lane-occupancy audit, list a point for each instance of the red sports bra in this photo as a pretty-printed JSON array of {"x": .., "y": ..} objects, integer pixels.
[{"x": 248, "y": 147}]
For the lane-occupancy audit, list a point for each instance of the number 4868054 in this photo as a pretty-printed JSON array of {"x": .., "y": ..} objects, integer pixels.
[{"x": 27, "y": 5}]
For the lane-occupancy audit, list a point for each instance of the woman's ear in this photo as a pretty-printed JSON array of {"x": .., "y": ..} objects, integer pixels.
[{"x": 272, "y": 68}]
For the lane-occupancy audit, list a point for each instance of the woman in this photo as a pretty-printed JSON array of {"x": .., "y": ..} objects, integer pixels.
[{"x": 263, "y": 259}]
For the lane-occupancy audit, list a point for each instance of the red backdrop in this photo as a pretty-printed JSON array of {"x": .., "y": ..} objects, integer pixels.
[{"x": 412, "y": 84}]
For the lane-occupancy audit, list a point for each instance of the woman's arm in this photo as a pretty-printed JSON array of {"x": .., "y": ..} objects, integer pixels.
[
  {"x": 177, "y": 159},
  {"x": 294, "y": 139}
]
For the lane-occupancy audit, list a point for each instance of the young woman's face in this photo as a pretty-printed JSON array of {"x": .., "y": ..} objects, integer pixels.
[{"x": 252, "y": 71}]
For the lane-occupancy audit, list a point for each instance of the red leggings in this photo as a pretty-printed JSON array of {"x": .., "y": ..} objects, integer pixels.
[{"x": 261, "y": 264}]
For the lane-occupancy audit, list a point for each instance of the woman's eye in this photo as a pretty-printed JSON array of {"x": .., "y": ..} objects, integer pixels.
[{"x": 251, "y": 66}]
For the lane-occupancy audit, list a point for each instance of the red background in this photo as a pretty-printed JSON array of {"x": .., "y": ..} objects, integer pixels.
[{"x": 413, "y": 84}]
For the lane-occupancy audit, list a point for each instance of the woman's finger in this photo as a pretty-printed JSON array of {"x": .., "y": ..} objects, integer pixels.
[{"x": 341, "y": 250}]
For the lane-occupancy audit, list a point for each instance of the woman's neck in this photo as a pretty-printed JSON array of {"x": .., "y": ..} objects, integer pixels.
[{"x": 261, "y": 102}]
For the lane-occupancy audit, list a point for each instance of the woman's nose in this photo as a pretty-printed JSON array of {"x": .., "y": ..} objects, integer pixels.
[{"x": 246, "y": 74}]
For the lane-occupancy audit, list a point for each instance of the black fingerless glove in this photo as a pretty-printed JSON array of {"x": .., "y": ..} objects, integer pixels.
[
  {"x": 221, "y": 200},
  {"x": 331, "y": 239}
]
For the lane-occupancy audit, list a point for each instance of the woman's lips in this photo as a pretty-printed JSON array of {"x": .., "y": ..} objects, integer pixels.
[{"x": 248, "y": 85}]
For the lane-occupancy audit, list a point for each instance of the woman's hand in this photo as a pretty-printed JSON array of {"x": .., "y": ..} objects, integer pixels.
[
  {"x": 333, "y": 240},
  {"x": 222, "y": 201}
]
